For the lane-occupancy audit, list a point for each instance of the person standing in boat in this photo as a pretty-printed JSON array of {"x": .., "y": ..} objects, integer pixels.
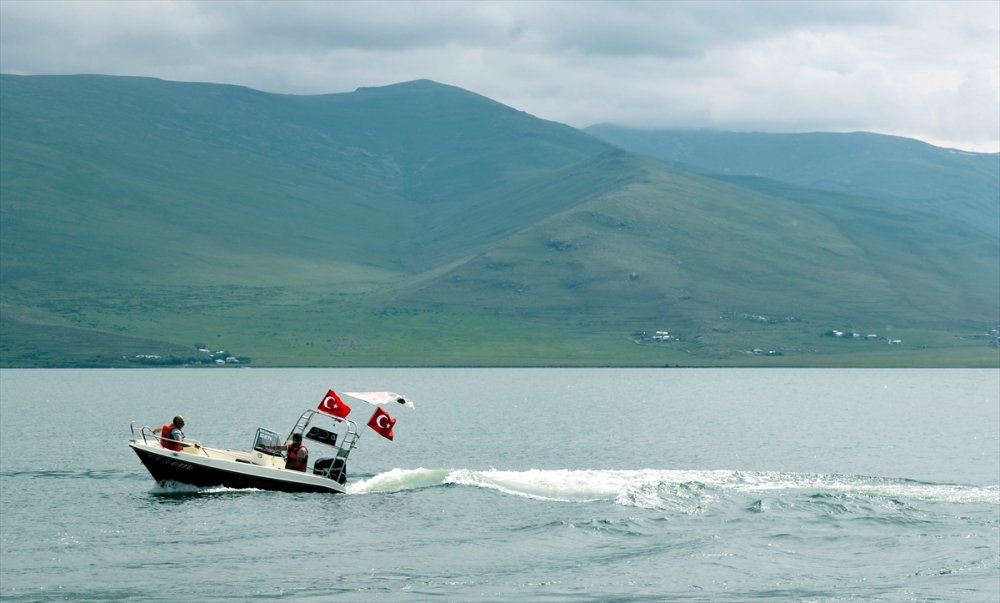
[
  {"x": 172, "y": 436},
  {"x": 298, "y": 455}
]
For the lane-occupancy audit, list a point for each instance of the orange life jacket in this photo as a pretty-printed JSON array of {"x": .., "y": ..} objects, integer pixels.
[
  {"x": 298, "y": 457},
  {"x": 167, "y": 439}
]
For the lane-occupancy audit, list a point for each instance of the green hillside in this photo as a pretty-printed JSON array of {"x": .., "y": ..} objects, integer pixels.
[
  {"x": 235, "y": 172},
  {"x": 726, "y": 271},
  {"x": 943, "y": 182},
  {"x": 421, "y": 224}
]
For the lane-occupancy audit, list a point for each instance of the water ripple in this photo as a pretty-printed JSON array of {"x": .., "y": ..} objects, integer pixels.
[{"x": 77, "y": 474}]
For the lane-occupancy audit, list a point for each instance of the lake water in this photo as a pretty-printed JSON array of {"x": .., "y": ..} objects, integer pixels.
[{"x": 517, "y": 485}]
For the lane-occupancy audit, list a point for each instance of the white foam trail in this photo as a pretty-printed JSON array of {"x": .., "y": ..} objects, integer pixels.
[
  {"x": 760, "y": 481},
  {"x": 539, "y": 484},
  {"x": 172, "y": 487},
  {"x": 399, "y": 479},
  {"x": 686, "y": 490}
]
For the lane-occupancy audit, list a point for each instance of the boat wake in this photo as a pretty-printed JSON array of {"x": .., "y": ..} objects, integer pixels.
[
  {"x": 683, "y": 490},
  {"x": 172, "y": 488}
]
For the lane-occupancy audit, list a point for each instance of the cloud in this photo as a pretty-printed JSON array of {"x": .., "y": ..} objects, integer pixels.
[{"x": 927, "y": 70}]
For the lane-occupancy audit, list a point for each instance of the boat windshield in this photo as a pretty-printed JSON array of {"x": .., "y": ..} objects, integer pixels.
[{"x": 267, "y": 442}]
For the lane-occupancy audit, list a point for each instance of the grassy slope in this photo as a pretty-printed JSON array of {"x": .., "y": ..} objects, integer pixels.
[
  {"x": 913, "y": 174},
  {"x": 175, "y": 210},
  {"x": 694, "y": 256},
  {"x": 224, "y": 173}
]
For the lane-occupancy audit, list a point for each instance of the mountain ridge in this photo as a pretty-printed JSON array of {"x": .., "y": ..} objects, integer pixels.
[{"x": 915, "y": 174}]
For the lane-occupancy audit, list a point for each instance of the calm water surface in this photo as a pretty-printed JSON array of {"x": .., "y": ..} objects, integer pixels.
[{"x": 517, "y": 485}]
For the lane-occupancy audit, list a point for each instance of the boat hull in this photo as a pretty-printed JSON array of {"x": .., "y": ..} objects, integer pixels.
[{"x": 206, "y": 472}]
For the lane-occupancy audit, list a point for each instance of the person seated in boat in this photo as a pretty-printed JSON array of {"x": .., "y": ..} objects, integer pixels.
[
  {"x": 172, "y": 436},
  {"x": 298, "y": 455}
]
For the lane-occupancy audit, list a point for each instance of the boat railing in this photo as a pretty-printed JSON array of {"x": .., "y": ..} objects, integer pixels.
[
  {"x": 348, "y": 441},
  {"x": 341, "y": 443},
  {"x": 147, "y": 432},
  {"x": 142, "y": 432}
]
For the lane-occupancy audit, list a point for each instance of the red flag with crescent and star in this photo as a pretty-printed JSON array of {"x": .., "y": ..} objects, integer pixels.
[
  {"x": 382, "y": 423},
  {"x": 333, "y": 405}
]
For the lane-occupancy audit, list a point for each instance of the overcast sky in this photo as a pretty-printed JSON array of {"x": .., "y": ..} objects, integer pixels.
[{"x": 926, "y": 70}]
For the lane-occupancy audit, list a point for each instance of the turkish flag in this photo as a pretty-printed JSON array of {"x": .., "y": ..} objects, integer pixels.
[
  {"x": 333, "y": 405},
  {"x": 382, "y": 423}
]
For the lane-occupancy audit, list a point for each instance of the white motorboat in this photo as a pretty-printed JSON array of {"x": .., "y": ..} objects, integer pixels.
[{"x": 329, "y": 438}]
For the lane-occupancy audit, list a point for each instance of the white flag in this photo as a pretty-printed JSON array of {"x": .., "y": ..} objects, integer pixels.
[{"x": 378, "y": 398}]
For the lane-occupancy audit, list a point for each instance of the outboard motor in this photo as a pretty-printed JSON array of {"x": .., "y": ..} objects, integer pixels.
[{"x": 333, "y": 468}]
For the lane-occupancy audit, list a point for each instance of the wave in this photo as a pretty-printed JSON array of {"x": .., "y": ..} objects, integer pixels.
[
  {"x": 74, "y": 474},
  {"x": 688, "y": 491},
  {"x": 172, "y": 488},
  {"x": 685, "y": 490},
  {"x": 400, "y": 479}
]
